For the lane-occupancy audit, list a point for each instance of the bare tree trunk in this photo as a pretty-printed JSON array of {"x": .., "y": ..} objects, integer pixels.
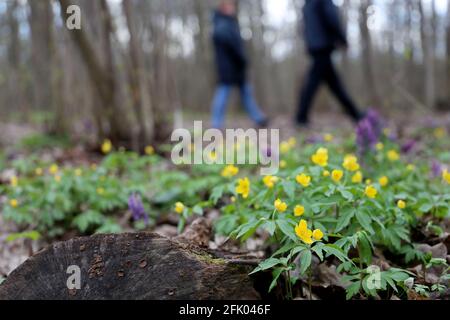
[
  {"x": 40, "y": 20},
  {"x": 102, "y": 76},
  {"x": 367, "y": 54},
  {"x": 448, "y": 51},
  {"x": 426, "y": 34},
  {"x": 140, "y": 98}
]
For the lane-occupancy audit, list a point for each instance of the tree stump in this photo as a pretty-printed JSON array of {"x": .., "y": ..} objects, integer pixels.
[{"x": 129, "y": 266}]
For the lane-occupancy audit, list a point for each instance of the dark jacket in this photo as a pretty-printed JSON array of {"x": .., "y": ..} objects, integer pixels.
[
  {"x": 323, "y": 28},
  {"x": 231, "y": 59}
]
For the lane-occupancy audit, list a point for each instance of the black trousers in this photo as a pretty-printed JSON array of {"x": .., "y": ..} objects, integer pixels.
[{"x": 323, "y": 70}]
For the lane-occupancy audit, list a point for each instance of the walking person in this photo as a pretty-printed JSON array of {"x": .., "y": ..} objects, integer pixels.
[
  {"x": 323, "y": 35},
  {"x": 231, "y": 61}
]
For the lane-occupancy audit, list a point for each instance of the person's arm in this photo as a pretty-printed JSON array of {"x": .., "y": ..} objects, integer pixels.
[{"x": 332, "y": 19}]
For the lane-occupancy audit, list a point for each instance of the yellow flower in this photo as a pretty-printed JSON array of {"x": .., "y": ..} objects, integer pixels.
[
  {"x": 57, "y": 178},
  {"x": 302, "y": 231},
  {"x": 368, "y": 181},
  {"x": 100, "y": 191},
  {"x": 326, "y": 173},
  {"x": 285, "y": 147},
  {"x": 14, "y": 203},
  {"x": 328, "y": 137},
  {"x": 371, "y": 192},
  {"x": 230, "y": 171},
  {"x": 299, "y": 210},
  {"x": 393, "y": 155},
  {"x": 446, "y": 176},
  {"x": 317, "y": 234},
  {"x": 283, "y": 164},
  {"x": 78, "y": 172},
  {"x": 379, "y": 146},
  {"x": 357, "y": 177},
  {"x": 53, "y": 169},
  {"x": 320, "y": 158},
  {"x": 179, "y": 207},
  {"x": 270, "y": 181},
  {"x": 337, "y": 175},
  {"x": 351, "y": 163},
  {"x": 107, "y": 146},
  {"x": 411, "y": 167},
  {"x": 384, "y": 181},
  {"x": 401, "y": 204},
  {"x": 14, "y": 181},
  {"x": 243, "y": 187},
  {"x": 387, "y": 132},
  {"x": 233, "y": 199},
  {"x": 280, "y": 206},
  {"x": 440, "y": 132},
  {"x": 304, "y": 180},
  {"x": 292, "y": 142},
  {"x": 149, "y": 150},
  {"x": 213, "y": 156},
  {"x": 39, "y": 171}
]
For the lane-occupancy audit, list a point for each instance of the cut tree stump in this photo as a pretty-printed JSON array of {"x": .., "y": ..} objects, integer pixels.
[{"x": 130, "y": 266}]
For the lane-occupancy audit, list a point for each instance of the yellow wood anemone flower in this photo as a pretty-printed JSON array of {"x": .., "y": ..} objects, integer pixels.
[
  {"x": 393, "y": 155},
  {"x": 14, "y": 181},
  {"x": 446, "y": 176},
  {"x": 357, "y": 177},
  {"x": 14, "y": 203},
  {"x": 299, "y": 210},
  {"x": 384, "y": 181},
  {"x": 53, "y": 169},
  {"x": 302, "y": 231},
  {"x": 303, "y": 180},
  {"x": 337, "y": 175},
  {"x": 179, "y": 207},
  {"x": 243, "y": 187},
  {"x": 326, "y": 173},
  {"x": 351, "y": 163},
  {"x": 270, "y": 181},
  {"x": 39, "y": 172},
  {"x": 317, "y": 234},
  {"x": 107, "y": 146},
  {"x": 230, "y": 171},
  {"x": 320, "y": 158},
  {"x": 401, "y": 204},
  {"x": 328, "y": 137},
  {"x": 371, "y": 192},
  {"x": 280, "y": 206},
  {"x": 149, "y": 150}
]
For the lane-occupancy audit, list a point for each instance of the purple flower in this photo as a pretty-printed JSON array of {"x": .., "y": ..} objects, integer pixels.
[
  {"x": 436, "y": 169},
  {"x": 368, "y": 131},
  {"x": 409, "y": 146},
  {"x": 137, "y": 208}
]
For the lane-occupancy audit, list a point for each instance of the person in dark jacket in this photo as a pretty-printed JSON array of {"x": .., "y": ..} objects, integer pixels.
[
  {"x": 323, "y": 35},
  {"x": 231, "y": 61}
]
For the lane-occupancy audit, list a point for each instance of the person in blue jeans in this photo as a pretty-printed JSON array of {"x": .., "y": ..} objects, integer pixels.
[{"x": 231, "y": 62}]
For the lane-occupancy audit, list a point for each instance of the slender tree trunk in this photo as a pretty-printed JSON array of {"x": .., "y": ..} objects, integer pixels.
[
  {"x": 428, "y": 57},
  {"x": 367, "y": 54},
  {"x": 448, "y": 51}
]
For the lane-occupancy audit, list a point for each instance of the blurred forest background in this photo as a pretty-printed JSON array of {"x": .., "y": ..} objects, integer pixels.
[{"x": 138, "y": 67}]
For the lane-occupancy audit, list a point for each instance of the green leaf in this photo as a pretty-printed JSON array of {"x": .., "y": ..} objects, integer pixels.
[
  {"x": 353, "y": 290},
  {"x": 270, "y": 227},
  {"x": 216, "y": 194},
  {"x": 365, "y": 221},
  {"x": 287, "y": 229},
  {"x": 305, "y": 261},
  {"x": 289, "y": 188},
  {"x": 276, "y": 274},
  {"x": 344, "y": 220},
  {"x": 334, "y": 250}
]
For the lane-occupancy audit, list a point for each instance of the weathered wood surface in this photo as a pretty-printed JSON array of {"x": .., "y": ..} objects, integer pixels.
[{"x": 129, "y": 266}]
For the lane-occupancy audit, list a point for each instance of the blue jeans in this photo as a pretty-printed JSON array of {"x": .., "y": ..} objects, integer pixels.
[{"x": 220, "y": 104}]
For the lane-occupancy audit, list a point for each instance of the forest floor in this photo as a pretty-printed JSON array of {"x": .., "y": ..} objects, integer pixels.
[{"x": 13, "y": 253}]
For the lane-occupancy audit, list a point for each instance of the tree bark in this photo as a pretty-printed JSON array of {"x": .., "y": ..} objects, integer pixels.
[
  {"x": 140, "y": 266},
  {"x": 426, "y": 35}
]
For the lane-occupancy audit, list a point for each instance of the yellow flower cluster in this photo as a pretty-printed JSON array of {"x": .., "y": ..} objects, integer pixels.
[
  {"x": 306, "y": 235},
  {"x": 303, "y": 180},
  {"x": 270, "y": 181},
  {"x": 230, "y": 171},
  {"x": 243, "y": 187},
  {"x": 320, "y": 158},
  {"x": 351, "y": 163},
  {"x": 280, "y": 206},
  {"x": 286, "y": 146}
]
